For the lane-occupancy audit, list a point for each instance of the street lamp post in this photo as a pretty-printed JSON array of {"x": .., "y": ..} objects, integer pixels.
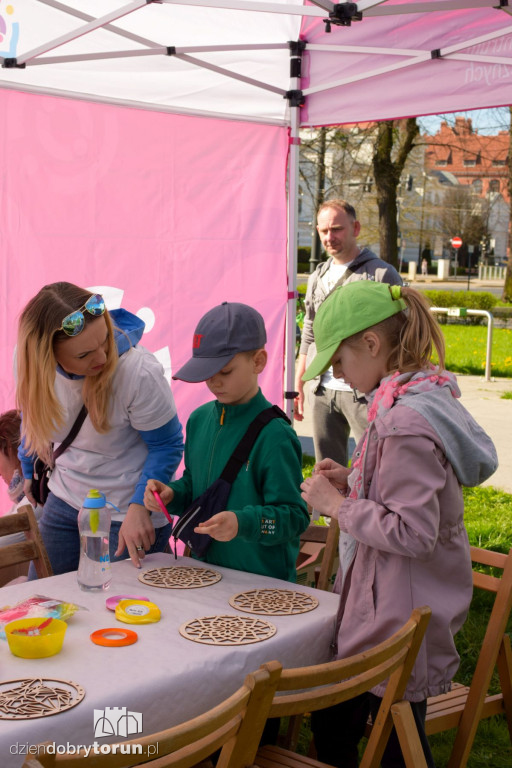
[{"x": 422, "y": 216}]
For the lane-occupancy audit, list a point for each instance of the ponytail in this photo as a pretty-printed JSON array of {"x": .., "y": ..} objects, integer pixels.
[{"x": 413, "y": 335}]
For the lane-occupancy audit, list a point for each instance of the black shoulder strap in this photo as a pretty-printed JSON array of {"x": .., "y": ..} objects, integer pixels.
[
  {"x": 73, "y": 432},
  {"x": 244, "y": 447}
]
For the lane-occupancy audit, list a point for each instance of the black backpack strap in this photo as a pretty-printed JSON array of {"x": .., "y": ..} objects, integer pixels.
[
  {"x": 244, "y": 447},
  {"x": 73, "y": 432}
]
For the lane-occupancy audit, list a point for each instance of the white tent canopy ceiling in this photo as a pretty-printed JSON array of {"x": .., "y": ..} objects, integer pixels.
[
  {"x": 280, "y": 62},
  {"x": 231, "y": 58}
]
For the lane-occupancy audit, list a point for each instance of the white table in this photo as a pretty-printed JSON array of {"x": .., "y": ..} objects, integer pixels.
[{"x": 163, "y": 676}]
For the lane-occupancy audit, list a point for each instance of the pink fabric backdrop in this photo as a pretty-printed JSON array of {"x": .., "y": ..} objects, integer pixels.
[{"x": 169, "y": 215}]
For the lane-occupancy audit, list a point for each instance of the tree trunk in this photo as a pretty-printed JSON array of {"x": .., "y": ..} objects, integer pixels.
[
  {"x": 316, "y": 247},
  {"x": 394, "y": 142}
]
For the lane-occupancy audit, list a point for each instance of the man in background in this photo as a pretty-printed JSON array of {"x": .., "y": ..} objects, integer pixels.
[{"x": 337, "y": 410}]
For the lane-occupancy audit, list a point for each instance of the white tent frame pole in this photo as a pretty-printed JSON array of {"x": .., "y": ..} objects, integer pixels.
[
  {"x": 134, "y": 104},
  {"x": 367, "y": 75},
  {"x": 81, "y": 31},
  {"x": 247, "y": 5},
  {"x": 109, "y": 27},
  {"x": 366, "y": 49},
  {"x": 228, "y": 73},
  {"x": 441, "y": 7},
  {"x": 293, "y": 216},
  {"x": 476, "y": 41}
]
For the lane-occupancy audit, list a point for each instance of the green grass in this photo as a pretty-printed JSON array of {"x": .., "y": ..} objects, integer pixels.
[
  {"x": 488, "y": 517},
  {"x": 506, "y": 396},
  {"x": 466, "y": 347}
]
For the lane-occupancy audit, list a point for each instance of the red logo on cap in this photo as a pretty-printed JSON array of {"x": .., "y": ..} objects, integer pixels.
[{"x": 196, "y": 341}]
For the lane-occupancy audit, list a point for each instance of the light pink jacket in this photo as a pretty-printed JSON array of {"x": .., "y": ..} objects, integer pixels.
[{"x": 412, "y": 547}]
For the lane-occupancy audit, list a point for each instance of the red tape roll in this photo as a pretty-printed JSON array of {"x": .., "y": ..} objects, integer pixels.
[{"x": 124, "y": 637}]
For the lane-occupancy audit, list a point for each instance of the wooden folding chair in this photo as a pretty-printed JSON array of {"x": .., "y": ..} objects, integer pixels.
[
  {"x": 235, "y": 727},
  {"x": 330, "y": 561},
  {"x": 307, "y": 689},
  {"x": 32, "y": 549},
  {"x": 463, "y": 707},
  {"x": 320, "y": 544}
]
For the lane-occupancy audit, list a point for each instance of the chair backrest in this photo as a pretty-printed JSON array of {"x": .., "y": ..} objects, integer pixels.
[
  {"x": 327, "y": 568},
  {"x": 495, "y": 652},
  {"x": 307, "y": 689},
  {"x": 234, "y": 726},
  {"x": 317, "y": 561},
  {"x": 32, "y": 549}
]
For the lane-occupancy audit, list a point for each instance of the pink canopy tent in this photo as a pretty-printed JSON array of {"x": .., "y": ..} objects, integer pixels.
[{"x": 167, "y": 173}]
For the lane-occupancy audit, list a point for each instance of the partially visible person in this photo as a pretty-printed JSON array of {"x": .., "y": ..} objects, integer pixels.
[
  {"x": 71, "y": 351},
  {"x": 424, "y": 267},
  {"x": 10, "y": 467},
  {"x": 260, "y": 528},
  {"x": 401, "y": 507},
  {"x": 336, "y": 409},
  {"x": 10, "y": 472}
]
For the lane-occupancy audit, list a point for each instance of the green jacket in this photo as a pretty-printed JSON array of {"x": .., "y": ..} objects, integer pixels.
[{"x": 265, "y": 495}]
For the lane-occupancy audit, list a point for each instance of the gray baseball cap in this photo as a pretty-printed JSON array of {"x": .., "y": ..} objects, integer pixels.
[{"x": 221, "y": 334}]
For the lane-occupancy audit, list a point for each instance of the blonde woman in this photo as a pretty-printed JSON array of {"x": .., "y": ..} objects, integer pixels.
[{"x": 71, "y": 351}]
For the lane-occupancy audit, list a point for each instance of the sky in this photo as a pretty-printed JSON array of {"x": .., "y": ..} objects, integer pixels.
[{"x": 485, "y": 121}]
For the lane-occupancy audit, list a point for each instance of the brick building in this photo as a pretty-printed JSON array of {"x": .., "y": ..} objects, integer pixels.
[{"x": 480, "y": 162}]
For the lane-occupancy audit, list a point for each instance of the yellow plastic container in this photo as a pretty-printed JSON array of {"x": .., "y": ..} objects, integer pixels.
[{"x": 35, "y": 646}]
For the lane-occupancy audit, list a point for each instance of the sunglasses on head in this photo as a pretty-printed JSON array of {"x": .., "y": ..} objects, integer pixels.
[{"x": 74, "y": 323}]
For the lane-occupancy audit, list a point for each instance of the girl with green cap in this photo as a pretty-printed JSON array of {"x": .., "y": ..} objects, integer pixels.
[{"x": 403, "y": 543}]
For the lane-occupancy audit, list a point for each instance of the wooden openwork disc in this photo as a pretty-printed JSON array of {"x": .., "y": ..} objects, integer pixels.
[
  {"x": 274, "y": 602},
  {"x": 180, "y": 577},
  {"x": 227, "y": 630},
  {"x": 28, "y": 698}
]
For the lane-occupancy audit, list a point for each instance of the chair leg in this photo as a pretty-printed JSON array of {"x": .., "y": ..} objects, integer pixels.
[
  {"x": 504, "y": 664},
  {"x": 407, "y": 733},
  {"x": 291, "y": 738}
]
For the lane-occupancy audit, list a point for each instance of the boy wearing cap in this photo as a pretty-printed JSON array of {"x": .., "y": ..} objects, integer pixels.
[{"x": 260, "y": 529}]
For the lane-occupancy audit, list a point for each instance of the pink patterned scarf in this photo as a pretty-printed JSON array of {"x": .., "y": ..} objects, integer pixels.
[{"x": 391, "y": 389}]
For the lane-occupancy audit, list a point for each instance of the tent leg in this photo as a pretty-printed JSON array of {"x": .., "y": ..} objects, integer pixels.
[{"x": 291, "y": 312}]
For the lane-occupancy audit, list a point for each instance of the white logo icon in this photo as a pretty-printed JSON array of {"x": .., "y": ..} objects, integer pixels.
[{"x": 116, "y": 721}]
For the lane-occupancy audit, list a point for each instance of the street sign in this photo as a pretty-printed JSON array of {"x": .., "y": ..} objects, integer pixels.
[{"x": 456, "y": 242}]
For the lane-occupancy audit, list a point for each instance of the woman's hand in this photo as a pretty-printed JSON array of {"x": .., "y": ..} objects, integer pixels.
[
  {"x": 27, "y": 490},
  {"x": 319, "y": 493},
  {"x": 336, "y": 473},
  {"x": 136, "y": 534},
  {"x": 223, "y": 526},
  {"x": 163, "y": 490}
]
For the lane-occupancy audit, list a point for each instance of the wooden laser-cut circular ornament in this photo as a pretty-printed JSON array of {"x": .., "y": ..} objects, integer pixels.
[
  {"x": 227, "y": 630},
  {"x": 180, "y": 577},
  {"x": 28, "y": 698},
  {"x": 274, "y": 602}
]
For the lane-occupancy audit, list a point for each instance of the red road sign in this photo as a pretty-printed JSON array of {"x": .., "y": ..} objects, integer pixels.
[{"x": 456, "y": 242}]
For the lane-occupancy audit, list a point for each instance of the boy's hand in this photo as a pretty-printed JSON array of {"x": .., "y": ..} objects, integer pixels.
[
  {"x": 298, "y": 403},
  {"x": 336, "y": 473},
  {"x": 223, "y": 526},
  {"x": 165, "y": 493},
  {"x": 319, "y": 492}
]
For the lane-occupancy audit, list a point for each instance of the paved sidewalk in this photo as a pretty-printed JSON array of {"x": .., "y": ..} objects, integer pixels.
[{"x": 483, "y": 400}]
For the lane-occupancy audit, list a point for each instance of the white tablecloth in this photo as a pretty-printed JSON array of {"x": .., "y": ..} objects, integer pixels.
[{"x": 163, "y": 676}]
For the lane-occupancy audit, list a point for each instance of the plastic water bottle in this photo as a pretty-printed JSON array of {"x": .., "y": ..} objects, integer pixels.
[{"x": 94, "y": 571}]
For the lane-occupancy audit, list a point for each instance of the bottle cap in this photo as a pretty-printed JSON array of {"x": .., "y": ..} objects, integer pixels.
[{"x": 94, "y": 500}]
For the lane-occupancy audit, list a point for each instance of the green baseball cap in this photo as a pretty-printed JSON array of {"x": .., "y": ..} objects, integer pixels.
[{"x": 349, "y": 309}]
